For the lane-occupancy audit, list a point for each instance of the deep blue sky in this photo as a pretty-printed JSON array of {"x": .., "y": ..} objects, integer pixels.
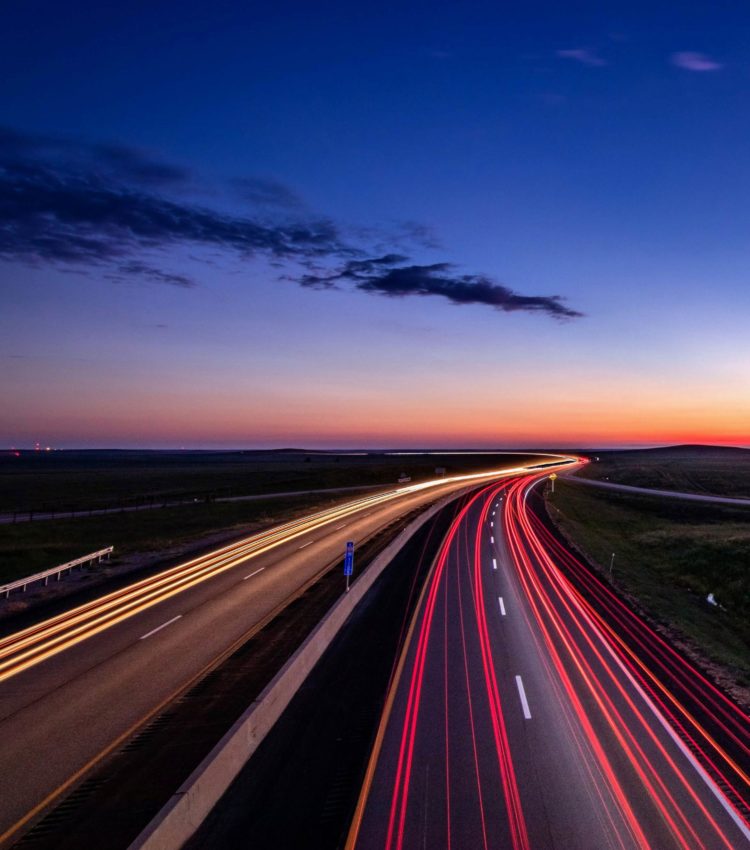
[{"x": 596, "y": 152}]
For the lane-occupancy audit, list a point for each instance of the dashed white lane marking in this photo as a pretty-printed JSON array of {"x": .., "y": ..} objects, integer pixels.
[
  {"x": 254, "y": 574},
  {"x": 494, "y": 564},
  {"x": 309, "y": 543},
  {"x": 159, "y": 628},
  {"x": 502, "y": 605},
  {"x": 524, "y": 701},
  {"x": 492, "y": 539},
  {"x": 339, "y": 526},
  {"x": 492, "y": 524}
]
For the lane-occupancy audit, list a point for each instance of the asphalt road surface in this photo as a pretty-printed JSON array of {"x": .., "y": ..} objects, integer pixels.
[
  {"x": 519, "y": 718},
  {"x": 73, "y": 688}
]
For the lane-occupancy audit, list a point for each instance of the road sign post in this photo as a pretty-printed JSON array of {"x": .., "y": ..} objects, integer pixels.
[
  {"x": 349, "y": 562},
  {"x": 553, "y": 478}
]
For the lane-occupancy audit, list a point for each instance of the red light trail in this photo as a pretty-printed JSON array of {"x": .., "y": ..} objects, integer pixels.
[{"x": 559, "y": 718}]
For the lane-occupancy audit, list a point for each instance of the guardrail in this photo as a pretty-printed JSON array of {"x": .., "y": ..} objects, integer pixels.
[{"x": 23, "y": 583}]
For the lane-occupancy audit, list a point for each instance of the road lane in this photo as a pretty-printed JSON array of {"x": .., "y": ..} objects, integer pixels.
[
  {"x": 519, "y": 725},
  {"x": 78, "y": 703}
]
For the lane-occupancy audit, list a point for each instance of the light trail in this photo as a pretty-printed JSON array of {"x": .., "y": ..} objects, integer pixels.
[
  {"x": 579, "y": 638},
  {"x": 645, "y": 760},
  {"x": 24, "y": 649}
]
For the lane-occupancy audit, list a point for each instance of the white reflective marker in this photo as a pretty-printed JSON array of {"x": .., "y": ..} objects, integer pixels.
[
  {"x": 159, "y": 628},
  {"x": 524, "y": 701}
]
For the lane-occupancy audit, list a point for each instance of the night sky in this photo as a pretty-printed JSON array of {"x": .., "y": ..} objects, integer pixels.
[{"x": 374, "y": 224}]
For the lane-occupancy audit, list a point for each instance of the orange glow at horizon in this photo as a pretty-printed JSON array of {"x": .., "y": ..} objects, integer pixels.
[{"x": 483, "y": 412}]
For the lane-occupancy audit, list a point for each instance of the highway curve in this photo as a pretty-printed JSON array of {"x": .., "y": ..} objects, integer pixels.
[
  {"x": 75, "y": 687},
  {"x": 523, "y": 715}
]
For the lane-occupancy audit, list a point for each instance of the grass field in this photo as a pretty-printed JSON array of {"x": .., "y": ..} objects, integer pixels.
[
  {"x": 94, "y": 479},
  {"x": 30, "y": 547},
  {"x": 670, "y": 555},
  {"x": 692, "y": 469},
  {"x": 80, "y": 480}
]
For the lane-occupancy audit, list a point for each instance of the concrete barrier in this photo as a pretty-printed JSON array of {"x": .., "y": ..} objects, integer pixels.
[{"x": 191, "y": 803}]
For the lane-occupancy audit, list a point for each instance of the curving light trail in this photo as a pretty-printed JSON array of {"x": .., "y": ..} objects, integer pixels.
[
  {"x": 706, "y": 726},
  {"x": 35, "y": 644},
  {"x": 558, "y": 719}
]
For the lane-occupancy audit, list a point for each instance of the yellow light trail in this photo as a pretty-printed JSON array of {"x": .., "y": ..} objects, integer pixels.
[{"x": 37, "y": 643}]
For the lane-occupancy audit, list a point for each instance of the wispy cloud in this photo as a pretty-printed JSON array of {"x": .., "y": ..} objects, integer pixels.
[
  {"x": 119, "y": 211},
  {"x": 389, "y": 276},
  {"x": 267, "y": 193},
  {"x": 136, "y": 268},
  {"x": 584, "y": 55},
  {"x": 691, "y": 61},
  {"x": 98, "y": 204}
]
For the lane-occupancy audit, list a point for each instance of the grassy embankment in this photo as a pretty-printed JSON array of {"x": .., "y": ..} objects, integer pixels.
[
  {"x": 710, "y": 470},
  {"x": 669, "y": 555},
  {"x": 84, "y": 480}
]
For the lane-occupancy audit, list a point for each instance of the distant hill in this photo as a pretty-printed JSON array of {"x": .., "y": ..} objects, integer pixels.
[{"x": 693, "y": 449}]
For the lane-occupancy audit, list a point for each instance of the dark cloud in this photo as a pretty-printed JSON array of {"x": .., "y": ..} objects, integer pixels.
[
  {"x": 116, "y": 161},
  {"x": 65, "y": 211},
  {"x": 85, "y": 207},
  {"x": 143, "y": 270},
  {"x": 267, "y": 193},
  {"x": 419, "y": 234},
  {"x": 133, "y": 165},
  {"x": 388, "y": 276}
]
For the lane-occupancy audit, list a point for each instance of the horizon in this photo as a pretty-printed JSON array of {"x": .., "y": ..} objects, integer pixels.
[{"x": 391, "y": 450}]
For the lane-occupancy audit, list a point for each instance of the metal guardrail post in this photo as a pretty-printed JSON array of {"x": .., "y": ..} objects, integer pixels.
[{"x": 57, "y": 571}]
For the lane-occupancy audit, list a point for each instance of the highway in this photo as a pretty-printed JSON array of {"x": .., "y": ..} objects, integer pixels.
[
  {"x": 75, "y": 687},
  {"x": 531, "y": 709}
]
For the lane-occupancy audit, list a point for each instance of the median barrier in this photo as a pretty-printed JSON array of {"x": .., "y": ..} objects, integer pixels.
[{"x": 188, "y": 807}]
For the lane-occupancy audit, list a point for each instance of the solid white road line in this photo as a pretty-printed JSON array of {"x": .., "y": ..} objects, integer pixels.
[
  {"x": 254, "y": 574},
  {"x": 502, "y": 607},
  {"x": 494, "y": 564},
  {"x": 309, "y": 543},
  {"x": 524, "y": 701},
  {"x": 159, "y": 628}
]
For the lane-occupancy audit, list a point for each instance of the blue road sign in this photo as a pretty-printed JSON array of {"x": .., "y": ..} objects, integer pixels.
[{"x": 349, "y": 559}]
